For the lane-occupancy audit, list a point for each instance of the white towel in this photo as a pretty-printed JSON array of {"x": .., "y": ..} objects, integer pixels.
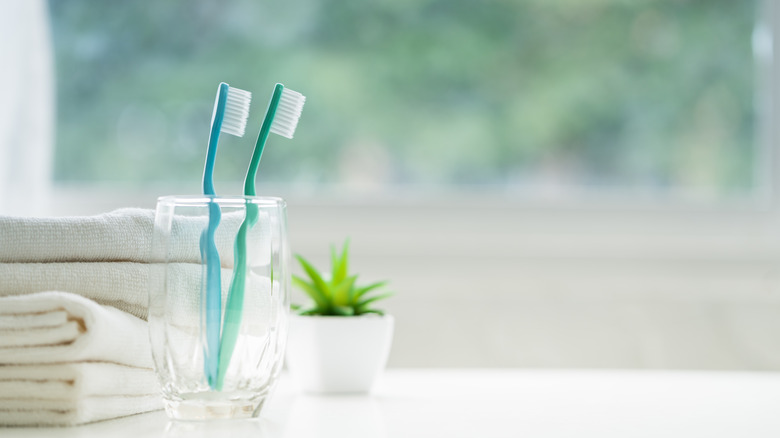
[
  {"x": 74, "y": 393},
  {"x": 66, "y": 360},
  {"x": 123, "y": 235},
  {"x": 60, "y": 381},
  {"x": 53, "y": 327},
  {"x": 124, "y": 285},
  {"x": 75, "y": 411}
]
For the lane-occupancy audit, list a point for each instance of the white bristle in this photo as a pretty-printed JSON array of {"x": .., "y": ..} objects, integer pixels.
[
  {"x": 287, "y": 113},
  {"x": 236, "y": 111}
]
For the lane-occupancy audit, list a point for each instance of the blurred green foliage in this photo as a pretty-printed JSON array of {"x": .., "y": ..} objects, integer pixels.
[{"x": 649, "y": 95}]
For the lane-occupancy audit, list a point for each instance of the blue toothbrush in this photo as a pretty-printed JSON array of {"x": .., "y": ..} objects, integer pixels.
[
  {"x": 281, "y": 117},
  {"x": 231, "y": 111}
]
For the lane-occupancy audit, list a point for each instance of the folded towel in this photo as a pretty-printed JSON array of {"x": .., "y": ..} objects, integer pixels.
[
  {"x": 65, "y": 359},
  {"x": 74, "y": 393},
  {"x": 61, "y": 381},
  {"x": 124, "y": 285},
  {"x": 123, "y": 235},
  {"x": 74, "y": 411},
  {"x": 52, "y": 327}
]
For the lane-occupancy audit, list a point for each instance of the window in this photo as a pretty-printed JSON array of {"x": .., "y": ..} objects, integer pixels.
[
  {"x": 522, "y": 100},
  {"x": 540, "y": 98}
]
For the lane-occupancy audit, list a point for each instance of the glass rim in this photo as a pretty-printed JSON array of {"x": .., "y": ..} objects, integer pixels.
[{"x": 237, "y": 200}]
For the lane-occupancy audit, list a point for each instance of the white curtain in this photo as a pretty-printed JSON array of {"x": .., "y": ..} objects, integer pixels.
[{"x": 26, "y": 108}]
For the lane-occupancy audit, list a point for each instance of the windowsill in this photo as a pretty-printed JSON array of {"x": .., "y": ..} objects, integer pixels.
[{"x": 450, "y": 224}]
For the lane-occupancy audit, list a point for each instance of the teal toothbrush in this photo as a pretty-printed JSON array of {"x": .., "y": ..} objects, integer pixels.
[
  {"x": 281, "y": 118},
  {"x": 231, "y": 111}
]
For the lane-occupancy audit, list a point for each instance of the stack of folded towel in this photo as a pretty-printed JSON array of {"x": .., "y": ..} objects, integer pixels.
[
  {"x": 106, "y": 258},
  {"x": 67, "y": 360},
  {"x": 74, "y": 346}
]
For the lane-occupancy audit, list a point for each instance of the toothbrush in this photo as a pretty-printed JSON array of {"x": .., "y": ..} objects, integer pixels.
[
  {"x": 281, "y": 117},
  {"x": 231, "y": 110}
]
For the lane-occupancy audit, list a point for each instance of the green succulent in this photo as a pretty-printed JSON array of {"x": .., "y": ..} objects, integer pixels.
[{"x": 339, "y": 295}]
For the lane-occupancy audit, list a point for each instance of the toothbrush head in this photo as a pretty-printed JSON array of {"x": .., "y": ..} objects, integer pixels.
[
  {"x": 231, "y": 111},
  {"x": 287, "y": 112},
  {"x": 236, "y": 111}
]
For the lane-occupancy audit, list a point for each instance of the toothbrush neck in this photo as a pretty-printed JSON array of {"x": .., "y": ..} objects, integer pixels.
[
  {"x": 262, "y": 137},
  {"x": 251, "y": 174},
  {"x": 216, "y": 126},
  {"x": 208, "y": 171}
]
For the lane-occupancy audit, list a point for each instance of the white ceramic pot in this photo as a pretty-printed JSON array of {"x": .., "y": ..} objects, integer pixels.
[{"x": 338, "y": 354}]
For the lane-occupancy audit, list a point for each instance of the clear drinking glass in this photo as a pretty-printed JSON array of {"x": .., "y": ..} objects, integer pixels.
[{"x": 196, "y": 386}]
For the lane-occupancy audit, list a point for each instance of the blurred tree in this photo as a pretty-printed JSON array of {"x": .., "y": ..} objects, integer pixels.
[{"x": 643, "y": 95}]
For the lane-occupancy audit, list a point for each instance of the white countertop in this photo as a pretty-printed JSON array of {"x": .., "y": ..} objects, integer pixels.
[{"x": 494, "y": 403}]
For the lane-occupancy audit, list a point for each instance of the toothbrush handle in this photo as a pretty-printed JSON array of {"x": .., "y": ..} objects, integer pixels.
[
  {"x": 235, "y": 301},
  {"x": 213, "y": 299}
]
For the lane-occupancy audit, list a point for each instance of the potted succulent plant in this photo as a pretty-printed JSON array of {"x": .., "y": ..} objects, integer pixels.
[{"x": 340, "y": 343}]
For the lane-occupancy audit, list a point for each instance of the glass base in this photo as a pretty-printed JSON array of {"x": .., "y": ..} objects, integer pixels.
[{"x": 202, "y": 407}]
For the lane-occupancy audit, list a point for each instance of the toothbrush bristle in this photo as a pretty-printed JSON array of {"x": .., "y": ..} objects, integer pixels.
[
  {"x": 287, "y": 113},
  {"x": 236, "y": 111}
]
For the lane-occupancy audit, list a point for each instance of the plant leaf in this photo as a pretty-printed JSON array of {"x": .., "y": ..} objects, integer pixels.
[
  {"x": 351, "y": 299},
  {"x": 377, "y": 311},
  {"x": 340, "y": 266},
  {"x": 320, "y": 299},
  {"x": 315, "y": 276},
  {"x": 342, "y": 292},
  {"x": 368, "y": 301},
  {"x": 343, "y": 310},
  {"x": 359, "y": 292}
]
